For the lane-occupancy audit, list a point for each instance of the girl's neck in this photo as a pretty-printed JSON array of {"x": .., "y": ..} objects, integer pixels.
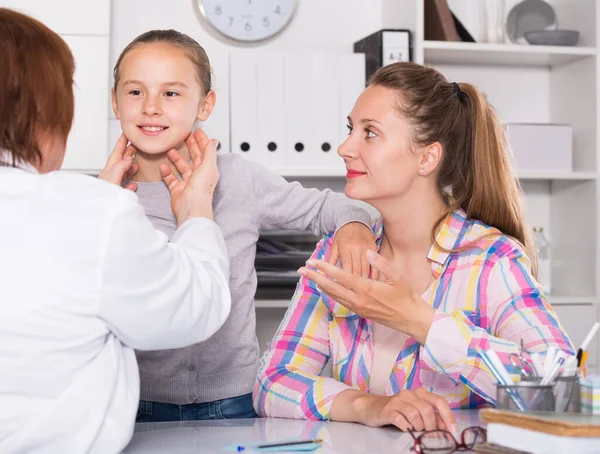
[{"x": 149, "y": 171}]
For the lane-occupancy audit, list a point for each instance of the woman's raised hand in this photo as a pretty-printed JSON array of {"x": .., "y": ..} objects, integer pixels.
[{"x": 192, "y": 195}]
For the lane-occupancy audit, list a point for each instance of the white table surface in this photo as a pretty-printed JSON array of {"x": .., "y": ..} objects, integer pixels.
[{"x": 201, "y": 437}]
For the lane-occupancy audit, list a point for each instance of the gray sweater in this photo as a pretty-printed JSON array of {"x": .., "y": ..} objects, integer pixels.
[{"x": 247, "y": 199}]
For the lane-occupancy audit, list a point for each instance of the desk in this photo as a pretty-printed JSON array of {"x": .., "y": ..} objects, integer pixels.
[{"x": 203, "y": 437}]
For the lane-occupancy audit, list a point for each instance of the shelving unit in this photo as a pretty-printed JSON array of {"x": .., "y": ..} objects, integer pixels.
[
  {"x": 532, "y": 84},
  {"x": 513, "y": 55}
]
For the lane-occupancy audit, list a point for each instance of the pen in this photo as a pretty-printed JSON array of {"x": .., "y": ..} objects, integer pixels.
[
  {"x": 551, "y": 375},
  {"x": 586, "y": 342},
  {"x": 282, "y": 444}
]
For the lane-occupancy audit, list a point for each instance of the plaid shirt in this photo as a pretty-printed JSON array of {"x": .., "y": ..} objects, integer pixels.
[{"x": 484, "y": 296}]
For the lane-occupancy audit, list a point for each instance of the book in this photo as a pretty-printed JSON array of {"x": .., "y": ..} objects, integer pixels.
[
  {"x": 543, "y": 432},
  {"x": 439, "y": 22}
]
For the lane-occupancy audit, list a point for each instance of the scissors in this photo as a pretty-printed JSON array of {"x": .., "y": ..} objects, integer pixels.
[{"x": 520, "y": 362}]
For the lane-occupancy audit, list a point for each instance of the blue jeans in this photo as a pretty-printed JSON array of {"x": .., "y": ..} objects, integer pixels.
[{"x": 236, "y": 407}]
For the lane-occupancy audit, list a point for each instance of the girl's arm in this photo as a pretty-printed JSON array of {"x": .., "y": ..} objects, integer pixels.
[
  {"x": 159, "y": 295},
  {"x": 282, "y": 204},
  {"x": 289, "y": 382},
  {"x": 511, "y": 308}
]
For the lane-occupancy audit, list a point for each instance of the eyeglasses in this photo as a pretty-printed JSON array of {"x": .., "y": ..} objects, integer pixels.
[{"x": 443, "y": 442}]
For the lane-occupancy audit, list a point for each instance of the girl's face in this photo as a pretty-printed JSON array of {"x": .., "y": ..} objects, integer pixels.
[
  {"x": 158, "y": 97},
  {"x": 379, "y": 160}
]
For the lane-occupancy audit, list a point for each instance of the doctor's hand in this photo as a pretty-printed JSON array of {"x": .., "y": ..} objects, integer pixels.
[
  {"x": 120, "y": 164},
  {"x": 350, "y": 244},
  {"x": 391, "y": 302},
  {"x": 192, "y": 195}
]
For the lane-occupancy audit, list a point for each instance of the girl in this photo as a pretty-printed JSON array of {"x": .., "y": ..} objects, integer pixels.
[
  {"x": 455, "y": 255},
  {"x": 162, "y": 86}
]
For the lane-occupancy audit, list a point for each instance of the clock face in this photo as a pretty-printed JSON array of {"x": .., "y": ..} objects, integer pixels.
[{"x": 248, "y": 20}]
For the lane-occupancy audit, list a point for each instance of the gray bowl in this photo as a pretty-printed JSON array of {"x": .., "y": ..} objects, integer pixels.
[
  {"x": 553, "y": 37},
  {"x": 527, "y": 16}
]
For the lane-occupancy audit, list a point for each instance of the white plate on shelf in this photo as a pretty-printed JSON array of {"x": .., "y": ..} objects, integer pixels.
[{"x": 529, "y": 15}]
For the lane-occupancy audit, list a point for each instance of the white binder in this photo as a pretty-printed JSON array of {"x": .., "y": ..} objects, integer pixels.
[
  {"x": 217, "y": 125},
  {"x": 244, "y": 101},
  {"x": 351, "y": 83},
  {"x": 325, "y": 115},
  {"x": 299, "y": 145},
  {"x": 270, "y": 150}
]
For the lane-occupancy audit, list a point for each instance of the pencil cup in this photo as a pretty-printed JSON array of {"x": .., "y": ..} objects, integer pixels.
[
  {"x": 525, "y": 396},
  {"x": 567, "y": 394}
]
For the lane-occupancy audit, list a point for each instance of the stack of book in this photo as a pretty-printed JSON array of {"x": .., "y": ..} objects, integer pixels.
[{"x": 540, "y": 432}]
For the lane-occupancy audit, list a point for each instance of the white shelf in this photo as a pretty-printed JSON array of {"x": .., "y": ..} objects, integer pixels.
[
  {"x": 566, "y": 300},
  {"x": 310, "y": 171},
  {"x": 460, "y": 53},
  {"x": 531, "y": 175},
  {"x": 270, "y": 304},
  {"x": 525, "y": 175}
]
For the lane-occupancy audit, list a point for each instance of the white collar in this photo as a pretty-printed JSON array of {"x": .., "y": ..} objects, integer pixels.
[{"x": 9, "y": 160}]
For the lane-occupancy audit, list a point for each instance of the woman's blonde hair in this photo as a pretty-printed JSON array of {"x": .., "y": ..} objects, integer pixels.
[{"x": 475, "y": 173}]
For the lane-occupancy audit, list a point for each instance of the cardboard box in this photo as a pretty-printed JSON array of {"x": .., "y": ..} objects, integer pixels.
[{"x": 541, "y": 147}]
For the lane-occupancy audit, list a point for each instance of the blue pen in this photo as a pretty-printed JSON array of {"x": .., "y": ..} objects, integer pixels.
[{"x": 282, "y": 444}]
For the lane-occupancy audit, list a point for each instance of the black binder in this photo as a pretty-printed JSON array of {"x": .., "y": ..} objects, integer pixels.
[{"x": 384, "y": 47}]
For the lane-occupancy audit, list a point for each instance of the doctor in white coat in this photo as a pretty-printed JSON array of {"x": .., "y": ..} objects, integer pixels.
[{"x": 84, "y": 277}]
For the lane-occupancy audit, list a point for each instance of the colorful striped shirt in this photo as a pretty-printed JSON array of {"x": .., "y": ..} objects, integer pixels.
[{"x": 484, "y": 295}]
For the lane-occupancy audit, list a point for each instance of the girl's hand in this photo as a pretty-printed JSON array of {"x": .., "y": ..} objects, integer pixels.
[
  {"x": 192, "y": 195},
  {"x": 416, "y": 410},
  {"x": 120, "y": 164},
  {"x": 350, "y": 244},
  {"x": 391, "y": 302}
]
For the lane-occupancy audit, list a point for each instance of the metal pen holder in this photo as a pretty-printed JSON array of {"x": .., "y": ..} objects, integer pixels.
[{"x": 525, "y": 396}]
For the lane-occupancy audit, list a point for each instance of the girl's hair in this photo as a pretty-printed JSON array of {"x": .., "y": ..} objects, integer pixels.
[
  {"x": 475, "y": 173},
  {"x": 36, "y": 87},
  {"x": 194, "y": 51}
]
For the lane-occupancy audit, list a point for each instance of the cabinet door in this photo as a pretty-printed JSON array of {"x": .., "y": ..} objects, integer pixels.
[
  {"x": 87, "y": 147},
  {"x": 577, "y": 320},
  {"x": 67, "y": 17}
]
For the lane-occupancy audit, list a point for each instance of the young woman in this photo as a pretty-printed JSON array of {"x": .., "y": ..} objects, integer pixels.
[
  {"x": 455, "y": 270},
  {"x": 162, "y": 87},
  {"x": 84, "y": 277}
]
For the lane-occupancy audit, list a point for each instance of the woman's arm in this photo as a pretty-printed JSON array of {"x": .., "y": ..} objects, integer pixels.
[
  {"x": 511, "y": 308},
  {"x": 159, "y": 295},
  {"x": 289, "y": 382}
]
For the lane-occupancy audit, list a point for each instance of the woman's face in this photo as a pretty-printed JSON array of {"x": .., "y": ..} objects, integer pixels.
[
  {"x": 158, "y": 97},
  {"x": 379, "y": 161}
]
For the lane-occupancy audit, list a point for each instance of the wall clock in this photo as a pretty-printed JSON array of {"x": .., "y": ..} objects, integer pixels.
[{"x": 248, "y": 20}]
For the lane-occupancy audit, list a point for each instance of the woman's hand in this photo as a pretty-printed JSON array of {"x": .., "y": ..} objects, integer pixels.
[
  {"x": 417, "y": 410},
  {"x": 408, "y": 410},
  {"x": 391, "y": 302},
  {"x": 350, "y": 244},
  {"x": 120, "y": 164},
  {"x": 192, "y": 195}
]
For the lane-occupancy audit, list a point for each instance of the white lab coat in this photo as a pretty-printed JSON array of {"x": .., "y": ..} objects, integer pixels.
[{"x": 84, "y": 280}]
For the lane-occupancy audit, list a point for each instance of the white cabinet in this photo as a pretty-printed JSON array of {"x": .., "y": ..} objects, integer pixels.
[
  {"x": 67, "y": 17},
  {"x": 87, "y": 147}
]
